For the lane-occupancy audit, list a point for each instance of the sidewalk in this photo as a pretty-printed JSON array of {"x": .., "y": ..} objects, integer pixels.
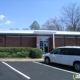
[{"x": 20, "y": 59}]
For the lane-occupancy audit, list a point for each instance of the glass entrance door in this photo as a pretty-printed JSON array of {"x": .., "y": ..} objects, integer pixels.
[
  {"x": 44, "y": 45},
  {"x": 41, "y": 45}
]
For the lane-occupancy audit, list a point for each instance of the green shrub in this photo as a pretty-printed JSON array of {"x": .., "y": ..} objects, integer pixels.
[
  {"x": 3, "y": 54},
  {"x": 14, "y": 52},
  {"x": 35, "y": 53},
  {"x": 14, "y": 55},
  {"x": 23, "y": 54}
]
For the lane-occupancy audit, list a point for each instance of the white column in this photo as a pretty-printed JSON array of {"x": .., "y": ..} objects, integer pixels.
[{"x": 53, "y": 41}]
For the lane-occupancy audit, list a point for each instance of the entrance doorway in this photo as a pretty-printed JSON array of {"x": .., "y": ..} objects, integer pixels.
[
  {"x": 44, "y": 46},
  {"x": 44, "y": 43}
]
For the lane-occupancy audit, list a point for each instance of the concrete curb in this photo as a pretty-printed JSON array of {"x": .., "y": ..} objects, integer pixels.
[{"x": 20, "y": 59}]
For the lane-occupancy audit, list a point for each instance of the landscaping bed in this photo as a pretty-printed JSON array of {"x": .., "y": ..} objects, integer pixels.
[{"x": 20, "y": 52}]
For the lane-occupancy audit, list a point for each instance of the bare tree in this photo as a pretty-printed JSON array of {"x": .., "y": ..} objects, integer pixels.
[
  {"x": 25, "y": 29},
  {"x": 71, "y": 17},
  {"x": 11, "y": 29},
  {"x": 52, "y": 24},
  {"x": 14, "y": 29}
]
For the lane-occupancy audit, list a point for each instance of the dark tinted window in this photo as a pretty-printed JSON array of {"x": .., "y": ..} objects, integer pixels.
[
  {"x": 76, "y": 51},
  {"x": 65, "y": 51},
  {"x": 56, "y": 51},
  {"x": 70, "y": 51}
]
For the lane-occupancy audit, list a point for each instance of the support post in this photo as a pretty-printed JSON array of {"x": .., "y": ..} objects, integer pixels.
[{"x": 53, "y": 41}]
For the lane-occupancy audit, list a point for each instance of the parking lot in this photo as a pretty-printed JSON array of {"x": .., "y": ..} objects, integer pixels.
[{"x": 31, "y": 70}]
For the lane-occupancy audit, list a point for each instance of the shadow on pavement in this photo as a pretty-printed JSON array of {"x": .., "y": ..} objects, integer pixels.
[{"x": 65, "y": 67}]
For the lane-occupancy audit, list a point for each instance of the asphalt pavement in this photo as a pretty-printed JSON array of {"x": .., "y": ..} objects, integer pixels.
[{"x": 18, "y": 70}]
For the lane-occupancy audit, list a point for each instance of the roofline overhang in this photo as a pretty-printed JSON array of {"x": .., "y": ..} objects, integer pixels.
[{"x": 38, "y": 32}]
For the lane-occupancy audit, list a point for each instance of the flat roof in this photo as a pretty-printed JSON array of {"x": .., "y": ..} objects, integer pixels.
[{"x": 39, "y": 32}]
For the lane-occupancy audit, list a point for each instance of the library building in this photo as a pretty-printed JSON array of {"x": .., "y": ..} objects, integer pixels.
[{"x": 47, "y": 40}]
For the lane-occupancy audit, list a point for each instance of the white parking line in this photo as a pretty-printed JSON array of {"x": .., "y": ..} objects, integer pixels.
[
  {"x": 54, "y": 67},
  {"x": 16, "y": 70}
]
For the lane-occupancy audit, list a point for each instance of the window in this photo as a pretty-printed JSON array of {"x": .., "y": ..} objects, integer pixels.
[
  {"x": 70, "y": 51},
  {"x": 56, "y": 51},
  {"x": 76, "y": 51},
  {"x": 66, "y": 51}
]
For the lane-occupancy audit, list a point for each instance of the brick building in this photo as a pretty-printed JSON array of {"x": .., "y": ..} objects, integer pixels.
[{"x": 44, "y": 39}]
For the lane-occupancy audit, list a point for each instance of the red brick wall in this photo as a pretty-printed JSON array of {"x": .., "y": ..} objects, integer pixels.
[
  {"x": 13, "y": 41},
  {"x": 29, "y": 41},
  {"x": 78, "y": 41},
  {"x": 59, "y": 42},
  {"x": 70, "y": 41},
  {"x": 2, "y": 41},
  {"x": 25, "y": 41}
]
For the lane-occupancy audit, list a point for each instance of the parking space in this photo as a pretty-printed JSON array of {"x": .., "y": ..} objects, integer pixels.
[
  {"x": 62, "y": 67},
  {"x": 33, "y": 71},
  {"x": 7, "y": 74}
]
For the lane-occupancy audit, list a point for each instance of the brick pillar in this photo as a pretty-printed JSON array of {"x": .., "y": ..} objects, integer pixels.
[{"x": 37, "y": 41}]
